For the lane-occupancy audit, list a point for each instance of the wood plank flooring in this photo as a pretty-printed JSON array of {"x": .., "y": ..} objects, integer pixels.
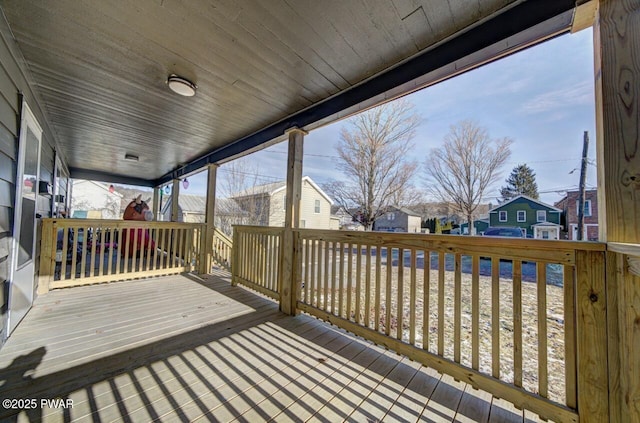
[{"x": 184, "y": 348}]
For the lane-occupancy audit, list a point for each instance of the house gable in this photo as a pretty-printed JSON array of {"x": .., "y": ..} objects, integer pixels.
[{"x": 522, "y": 212}]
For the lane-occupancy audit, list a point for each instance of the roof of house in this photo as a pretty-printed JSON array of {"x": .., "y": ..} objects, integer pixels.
[
  {"x": 407, "y": 211},
  {"x": 495, "y": 209},
  {"x": 190, "y": 203},
  {"x": 587, "y": 192},
  {"x": 275, "y": 187}
]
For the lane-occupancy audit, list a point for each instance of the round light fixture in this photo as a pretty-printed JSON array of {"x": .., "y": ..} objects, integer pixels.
[
  {"x": 185, "y": 183},
  {"x": 181, "y": 86}
]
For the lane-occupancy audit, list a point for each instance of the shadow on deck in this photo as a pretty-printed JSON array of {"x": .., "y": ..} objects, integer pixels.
[{"x": 182, "y": 348}]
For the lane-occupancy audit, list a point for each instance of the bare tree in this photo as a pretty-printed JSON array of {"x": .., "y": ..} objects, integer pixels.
[
  {"x": 241, "y": 200},
  {"x": 466, "y": 164},
  {"x": 374, "y": 151}
]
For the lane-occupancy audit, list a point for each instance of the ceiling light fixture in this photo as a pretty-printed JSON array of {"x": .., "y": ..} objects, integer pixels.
[
  {"x": 181, "y": 86},
  {"x": 131, "y": 157}
]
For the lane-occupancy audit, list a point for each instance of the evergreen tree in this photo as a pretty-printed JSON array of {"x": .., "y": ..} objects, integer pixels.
[{"x": 522, "y": 180}]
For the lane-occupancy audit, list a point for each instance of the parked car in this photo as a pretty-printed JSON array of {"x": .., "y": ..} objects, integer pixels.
[{"x": 505, "y": 231}]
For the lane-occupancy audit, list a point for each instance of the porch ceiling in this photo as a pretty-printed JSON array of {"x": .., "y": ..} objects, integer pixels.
[{"x": 100, "y": 68}]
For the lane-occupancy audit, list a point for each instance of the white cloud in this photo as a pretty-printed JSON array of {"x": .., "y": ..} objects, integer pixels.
[{"x": 580, "y": 94}]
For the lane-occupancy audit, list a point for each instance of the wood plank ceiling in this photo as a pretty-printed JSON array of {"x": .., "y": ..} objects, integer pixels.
[{"x": 101, "y": 66}]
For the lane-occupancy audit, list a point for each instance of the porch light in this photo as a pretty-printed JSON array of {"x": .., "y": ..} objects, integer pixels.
[
  {"x": 185, "y": 183},
  {"x": 167, "y": 189},
  {"x": 112, "y": 188},
  {"x": 181, "y": 85}
]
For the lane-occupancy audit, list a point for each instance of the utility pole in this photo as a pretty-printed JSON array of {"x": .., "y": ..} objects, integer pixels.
[{"x": 583, "y": 177}]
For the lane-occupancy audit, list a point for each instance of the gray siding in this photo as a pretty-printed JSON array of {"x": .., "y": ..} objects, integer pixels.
[{"x": 13, "y": 85}]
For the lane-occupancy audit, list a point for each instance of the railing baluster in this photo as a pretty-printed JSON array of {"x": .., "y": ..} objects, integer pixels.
[
  {"x": 307, "y": 263},
  {"x": 367, "y": 288},
  {"x": 74, "y": 254},
  {"x": 341, "y": 312},
  {"x": 377, "y": 298},
  {"x": 475, "y": 312},
  {"x": 333, "y": 278},
  {"x": 65, "y": 253},
  {"x": 387, "y": 297},
  {"x": 312, "y": 287},
  {"x": 495, "y": 317},
  {"x": 426, "y": 298},
  {"x": 412, "y": 299},
  {"x": 517, "y": 323},
  {"x": 103, "y": 251},
  {"x": 92, "y": 261},
  {"x": 441, "y": 303},
  {"x": 569, "y": 288},
  {"x": 326, "y": 276},
  {"x": 83, "y": 251},
  {"x": 400, "y": 304},
  {"x": 457, "y": 306},
  {"x": 349, "y": 280},
  {"x": 541, "y": 270},
  {"x": 358, "y": 281}
]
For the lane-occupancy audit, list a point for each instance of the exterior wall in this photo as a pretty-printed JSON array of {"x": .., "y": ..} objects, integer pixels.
[
  {"x": 479, "y": 225},
  {"x": 569, "y": 206},
  {"x": 277, "y": 209},
  {"x": 308, "y": 217},
  {"x": 413, "y": 224},
  {"x": 401, "y": 222},
  {"x": 530, "y": 207},
  {"x": 13, "y": 84}
]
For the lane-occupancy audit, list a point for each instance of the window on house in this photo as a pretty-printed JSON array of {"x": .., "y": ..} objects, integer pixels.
[
  {"x": 317, "y": 206},
  {"x": 502, "y": 216},
  {"x": 391, "y": 216},
  {"x": 541, "y": 216},
  {"x": 587, "y": 208},
  {"x": 522, "y": 216},
  {"x": 545, "y": 234}
]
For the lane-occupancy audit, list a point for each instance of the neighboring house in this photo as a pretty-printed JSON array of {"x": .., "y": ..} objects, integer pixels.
[
  {"x": 344, "y": 220},
  {"x": 265, "y": 204},
  {"x": 480, "y": 225},
  {"x": 569, "y": 206},
  {"x": 191, "y": 209},
  {"x": 93, "y": 200},
  {"x": 398, "y": 219},
  {"x": 533, "y": 217}
]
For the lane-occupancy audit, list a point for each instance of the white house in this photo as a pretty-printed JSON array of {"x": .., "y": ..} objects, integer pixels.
[
  {"x": 266, "y": 204},
  {"x": 93, "y": 200}
]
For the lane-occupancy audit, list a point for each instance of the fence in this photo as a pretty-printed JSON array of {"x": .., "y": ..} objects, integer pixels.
[{"x": 85, "y": 251}]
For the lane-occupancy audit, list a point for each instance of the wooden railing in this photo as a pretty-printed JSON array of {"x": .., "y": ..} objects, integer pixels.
[
  {"x": 256, "y": 258},
  {"x": 222, "y": 249},
  {"x": 85, "y": 251},
  {"x": 522, "y": 319}
]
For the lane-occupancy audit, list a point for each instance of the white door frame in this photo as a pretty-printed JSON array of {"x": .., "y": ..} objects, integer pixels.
[{"x": 25, "y": 274}]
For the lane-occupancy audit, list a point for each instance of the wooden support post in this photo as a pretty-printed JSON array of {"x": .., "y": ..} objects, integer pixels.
[
  {"x": 175, "y": 194},
  {"x": 289, "y": 286},
  {"x": 591, "y": 334},
  {"x": 47, "y": 255},
  {"x": 617, "y": 88},
  {"x": 206, "y": 244},
  {"x": 156, "y": 203}
]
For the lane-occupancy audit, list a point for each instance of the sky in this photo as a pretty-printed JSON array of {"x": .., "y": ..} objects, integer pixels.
[{"x": 542, "y": 98}]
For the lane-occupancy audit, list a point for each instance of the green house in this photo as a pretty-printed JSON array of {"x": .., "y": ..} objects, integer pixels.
[{"x": 537, "y": 219}]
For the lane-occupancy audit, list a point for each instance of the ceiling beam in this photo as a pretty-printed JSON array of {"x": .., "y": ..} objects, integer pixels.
[
  {"x": 94, "y": 175},
  {"x": 509, "y": 23}
]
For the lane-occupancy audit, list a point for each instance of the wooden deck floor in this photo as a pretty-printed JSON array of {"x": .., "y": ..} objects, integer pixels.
[{"x": 182, "y": 348}]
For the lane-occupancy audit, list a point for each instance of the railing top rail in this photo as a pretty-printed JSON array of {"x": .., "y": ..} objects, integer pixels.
[
  {"x": 259, "y": 229},
  {"x": 419, "y": 240},
  {"x": 223, "y": 236},
  {"x": 624, "y": 248},
  {"x": 113, "y": 223}
]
